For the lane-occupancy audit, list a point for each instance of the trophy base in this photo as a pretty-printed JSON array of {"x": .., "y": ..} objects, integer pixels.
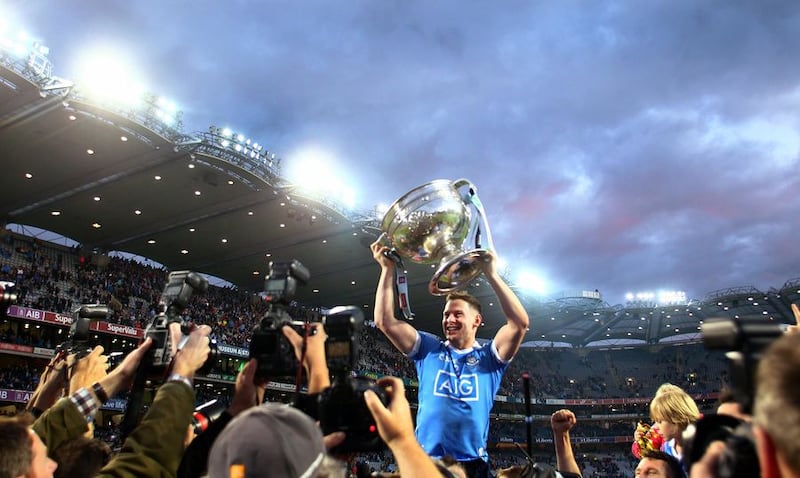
[{"x": 457, "y": 271}]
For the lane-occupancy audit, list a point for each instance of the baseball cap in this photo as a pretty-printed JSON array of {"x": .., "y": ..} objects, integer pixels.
[{"x": 271, "y": 440}]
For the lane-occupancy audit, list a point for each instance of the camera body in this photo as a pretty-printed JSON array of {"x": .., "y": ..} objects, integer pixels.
[
  {"x": 342, "y": 406},
  {"x": 78, "y": 342},
  {"x": 180, "y": 287},
  {"x": 743, "y": 340},
  {"x": 273, "y": 352}
]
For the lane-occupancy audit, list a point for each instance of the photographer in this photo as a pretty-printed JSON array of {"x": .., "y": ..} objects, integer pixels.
[
  {"x": 777, "y": 408},
  {"x": 194, "y": 462},
  {"x": 776, "y": 415},
  {"x": 25, "y": 453},
  {"x": 70, "y": 417},
  {"x": 397, "y": 430},
  {"x": 50, "y": 388},
  {"x": 155, "y": 447}
]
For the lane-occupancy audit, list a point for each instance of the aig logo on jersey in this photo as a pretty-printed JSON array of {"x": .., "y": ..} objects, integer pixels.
[{"x": 464, "y": 388}]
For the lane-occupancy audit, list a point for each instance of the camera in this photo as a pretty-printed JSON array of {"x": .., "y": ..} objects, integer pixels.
[
  {"x": 342, "y": 406},
  {"x": 154, "y": 367},
  {"x": 180, "y": 287},
  {"x": 273, "y": 353},
  {"x": 78, "y": 342},
  {"x": 743, "y": 340}
]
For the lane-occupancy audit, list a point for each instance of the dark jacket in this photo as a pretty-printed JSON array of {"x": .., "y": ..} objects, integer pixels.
[{"x": 155, "y": 447}]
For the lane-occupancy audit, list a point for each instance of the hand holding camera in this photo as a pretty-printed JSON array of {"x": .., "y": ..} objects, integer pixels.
[
  {"x": 51, "y": 385},
  {"x": 247, "y": 394},
  {"x": 397, "y": 429},
  {"x": 121, "y": 377},
  {"x": 313, "y": 358},
  {"x": 87, "y": 370},
  {"x": 194, "y": 352},
  {"x": 394, "y": 422}
]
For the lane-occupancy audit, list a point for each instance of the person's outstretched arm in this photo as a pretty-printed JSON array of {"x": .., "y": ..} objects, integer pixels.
[
  {"x": 509, "y": 337},
  {"x": 399, "y": 333},
  {"x": 156, "y": 445},
  {"x": 561, "y": 422},
  {"x": 397, "y": 430}
]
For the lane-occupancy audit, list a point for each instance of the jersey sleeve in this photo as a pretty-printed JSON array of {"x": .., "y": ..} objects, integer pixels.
[{"x": 425, "y": 344}]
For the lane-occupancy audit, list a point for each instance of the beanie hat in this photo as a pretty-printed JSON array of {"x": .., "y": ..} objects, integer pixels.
[{"x": 272, "y": 440}]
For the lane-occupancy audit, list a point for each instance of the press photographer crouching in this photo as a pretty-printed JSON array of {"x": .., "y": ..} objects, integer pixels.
[{"x": 771, "y": 446}]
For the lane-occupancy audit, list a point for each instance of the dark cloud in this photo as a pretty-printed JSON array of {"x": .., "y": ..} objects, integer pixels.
[{"x": 616, "y": 145}]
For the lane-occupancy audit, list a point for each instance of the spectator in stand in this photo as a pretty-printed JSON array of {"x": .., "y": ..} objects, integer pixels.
[
  {"x": 673, "y": 411},
  {"x": 561, "y": 422},
  {"x": 648, "y": 436}
]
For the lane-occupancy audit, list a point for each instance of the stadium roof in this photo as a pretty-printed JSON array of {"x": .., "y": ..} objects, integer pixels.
[{"x": 130, "y": 180}]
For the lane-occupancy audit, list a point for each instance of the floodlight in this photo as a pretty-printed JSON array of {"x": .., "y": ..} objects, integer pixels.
[
  {"x": 104, "y": 76},
  {"x": 238, "y": 147},
  {"x": 240, "y": 138},
  {"x": 225, "y": 143},
  {"x": 227, "y": 132},
  {"x": 532, "y": 282}
]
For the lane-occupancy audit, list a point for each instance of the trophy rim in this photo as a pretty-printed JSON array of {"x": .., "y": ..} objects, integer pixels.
[{"x": 390, "y": 211}]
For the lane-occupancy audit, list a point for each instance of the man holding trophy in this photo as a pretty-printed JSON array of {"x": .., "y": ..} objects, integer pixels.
[{"x": 458, "y": 377}]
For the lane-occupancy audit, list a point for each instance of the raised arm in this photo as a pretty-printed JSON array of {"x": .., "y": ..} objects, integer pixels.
[
  {"x": 314, "y": 361},
  {"x": 509, "y": 337},
  {"x": 400, "y": 333},
  {"x": 397, "y": 429},
  {"x": 561, "y": 422}
]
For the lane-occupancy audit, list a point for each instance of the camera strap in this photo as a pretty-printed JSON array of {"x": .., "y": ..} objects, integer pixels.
[{"x": 401, "y": 281}]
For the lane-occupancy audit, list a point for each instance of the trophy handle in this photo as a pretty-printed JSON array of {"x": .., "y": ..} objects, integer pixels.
[
  {"x": 457, "y": 271},
  {"x": 479, "y": 227}
]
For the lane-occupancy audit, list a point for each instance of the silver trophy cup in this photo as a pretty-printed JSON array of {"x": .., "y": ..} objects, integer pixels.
[{"x": 441, "y": 222}]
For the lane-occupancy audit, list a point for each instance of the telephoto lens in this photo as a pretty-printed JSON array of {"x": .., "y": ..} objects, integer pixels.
[{"x": 205, "y": 414}]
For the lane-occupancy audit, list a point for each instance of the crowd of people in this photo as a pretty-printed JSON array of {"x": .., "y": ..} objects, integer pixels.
[{"x": 454, "y": 382}]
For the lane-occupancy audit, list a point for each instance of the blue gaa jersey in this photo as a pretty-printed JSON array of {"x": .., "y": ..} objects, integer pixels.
[{"x": 456, "y": 393}]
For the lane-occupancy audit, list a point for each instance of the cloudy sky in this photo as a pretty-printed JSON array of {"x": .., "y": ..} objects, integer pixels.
[{"x": 623, "y": 146}]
